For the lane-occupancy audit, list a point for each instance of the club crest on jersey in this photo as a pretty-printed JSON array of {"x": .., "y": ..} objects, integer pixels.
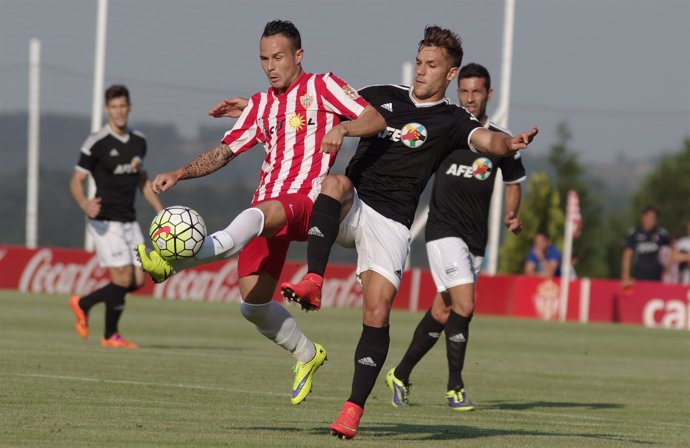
[
  {"x": 413, "y": 135},
  {"x": 352, "y": 93},
  {"x": 306, "y": 100},
  {"x": 296, "y": 121},
  {"x": 481, "y": 168}
]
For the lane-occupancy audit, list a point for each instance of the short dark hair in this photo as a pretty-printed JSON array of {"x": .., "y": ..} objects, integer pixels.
[
  {"x": 116, "y": 91},
  {"x": 651, "y": 208},
  {"x": 287, "y": 29},
  {"x": 435, "y": 36},
  {"x": 474, "y": 70}
]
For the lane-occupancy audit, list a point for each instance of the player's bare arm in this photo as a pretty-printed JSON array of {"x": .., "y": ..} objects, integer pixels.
[
  {"x": 229, "y": 108},
  {"x": 203, "y": 165},
  {"x": 500, "y": 144},
  {"x": 369, "y": 123},
  {"x": 91, "y": 207},
  {"x": 512, "y": 206},
  {"x": 147, "y": 191}
]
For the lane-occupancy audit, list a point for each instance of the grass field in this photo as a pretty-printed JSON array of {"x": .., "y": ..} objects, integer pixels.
[{"x": 204, "y": 377}]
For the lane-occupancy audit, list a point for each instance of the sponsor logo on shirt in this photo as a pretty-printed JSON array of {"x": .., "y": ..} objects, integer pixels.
[
  {"x": 413, "y": 135},
  {"x": 296, "y": 121},
  {"x": 129, "y": 168},
  {"x": 481, "y": 168},
  {"x": 352, "y": 93}
]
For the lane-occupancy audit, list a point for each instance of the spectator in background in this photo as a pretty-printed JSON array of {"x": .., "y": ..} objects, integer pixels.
[
  {"x": 644, "y": 246},
  {"x": 681, "y": 255},
  {"x": 543, "y": 260}
]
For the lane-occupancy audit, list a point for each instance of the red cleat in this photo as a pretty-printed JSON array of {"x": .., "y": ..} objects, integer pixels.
[
  {"x": 345, "y": 426},
  {"x": 81, "y": 322},
  {"x": 307, "y": 292}
]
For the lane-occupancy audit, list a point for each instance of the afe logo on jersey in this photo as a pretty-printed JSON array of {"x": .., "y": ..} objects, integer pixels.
[
  {"x": 129, "y": 168},
  {"x": 481, "y": 168}
]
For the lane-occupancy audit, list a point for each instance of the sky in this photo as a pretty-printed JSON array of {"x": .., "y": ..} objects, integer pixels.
[{"x": 617, "y": 71}]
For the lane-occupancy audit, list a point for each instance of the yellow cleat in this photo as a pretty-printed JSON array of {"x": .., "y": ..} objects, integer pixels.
[
  {"x": 153, "y": 264},
  {"x": 304, "y": 373},
  {"x": 400, "y": 389}
]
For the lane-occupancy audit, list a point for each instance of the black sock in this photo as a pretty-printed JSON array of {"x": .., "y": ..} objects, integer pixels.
[
  {"x": 323, "y": 231},
  {"x": 369, "y": 358},
  {"x": 457, "y": 335},
  {"x": 114, "y": 306},
  {"x": 425, "y": 336},
  {"x": 95, "y": 297}
]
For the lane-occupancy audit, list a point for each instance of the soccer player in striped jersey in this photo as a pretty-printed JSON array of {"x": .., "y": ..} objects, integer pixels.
[
  {"x": 456, "y": 236},
  {"x": 301, "y": 121},
  {"x": 377, "y": 197}
]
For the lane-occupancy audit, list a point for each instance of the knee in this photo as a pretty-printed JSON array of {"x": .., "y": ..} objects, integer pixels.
[
  {"x": 378, "y": 316},
  {"x": 440, "y": 314},
  {"x": 336, "y": 186}
]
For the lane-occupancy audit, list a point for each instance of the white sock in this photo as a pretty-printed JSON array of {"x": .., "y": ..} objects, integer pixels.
[
  {"x": 277, "y": 324},
  {"x": 227, "y": 242}
]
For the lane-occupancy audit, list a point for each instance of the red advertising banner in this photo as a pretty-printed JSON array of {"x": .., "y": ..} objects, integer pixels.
[{"x": 652, "y": 304}]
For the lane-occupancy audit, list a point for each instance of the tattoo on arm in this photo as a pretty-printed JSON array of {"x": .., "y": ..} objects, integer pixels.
[{"x": 208, "y": 162}]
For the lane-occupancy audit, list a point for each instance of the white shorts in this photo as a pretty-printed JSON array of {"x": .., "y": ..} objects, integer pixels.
[
  {"x": 382, "y": 243},
  {"x": 451, "y": 263},
  {"x": 114, "y": 242}
]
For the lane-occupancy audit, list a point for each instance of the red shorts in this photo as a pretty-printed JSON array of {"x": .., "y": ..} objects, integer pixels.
[{"x": 268, "y": 254}]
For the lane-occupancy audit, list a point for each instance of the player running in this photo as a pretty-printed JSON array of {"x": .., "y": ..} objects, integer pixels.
[
  {"x": 301, "y": 122},
  {"x": 377, "y": 198},
  {"x": 456, "y": 236}
]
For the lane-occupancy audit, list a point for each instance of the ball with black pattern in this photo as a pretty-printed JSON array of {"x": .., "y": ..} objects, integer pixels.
[{"x": 177, "y": 232}]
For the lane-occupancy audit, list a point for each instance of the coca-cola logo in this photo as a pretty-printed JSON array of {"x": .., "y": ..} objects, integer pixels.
[
  {"x": 673, "y": 313},
  {"x": 193, "y": 284},
  {"x": 42, "y": 274}
]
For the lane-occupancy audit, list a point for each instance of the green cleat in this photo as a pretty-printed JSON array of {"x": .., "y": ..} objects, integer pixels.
[
  {"x": 400, "y": 389},
  {"x": 304, "y": 373},
  {"x": 153, "y": 264}
]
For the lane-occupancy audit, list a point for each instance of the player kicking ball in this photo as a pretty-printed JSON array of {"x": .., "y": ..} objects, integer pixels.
[{"x": 301, "y": 121}]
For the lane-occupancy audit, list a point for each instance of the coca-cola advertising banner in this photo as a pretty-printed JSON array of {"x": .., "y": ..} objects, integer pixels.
[{"x": 70, "y": 271}]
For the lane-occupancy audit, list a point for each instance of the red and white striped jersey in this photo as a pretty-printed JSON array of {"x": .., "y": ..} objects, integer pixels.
[{"x": 291, "y": 126}]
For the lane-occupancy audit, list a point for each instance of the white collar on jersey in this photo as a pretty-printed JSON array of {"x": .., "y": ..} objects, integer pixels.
[
  {"x": 418, "y": 104},
  {"x": 123, "y": 139}
]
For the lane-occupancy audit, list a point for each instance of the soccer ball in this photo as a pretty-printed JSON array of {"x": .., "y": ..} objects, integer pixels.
[{"x": 177, "y": 232}]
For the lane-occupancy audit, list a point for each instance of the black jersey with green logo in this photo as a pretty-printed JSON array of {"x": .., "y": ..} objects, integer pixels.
[
  {"x": 391, "y": 169},
  {"x": 462, "y": 191}
]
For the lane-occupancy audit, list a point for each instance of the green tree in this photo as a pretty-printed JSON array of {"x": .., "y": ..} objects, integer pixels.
[
  {"x": 569, "y": 174},
  {"x": 540, "y": 210},
  {"x": 668, "y": 188}
]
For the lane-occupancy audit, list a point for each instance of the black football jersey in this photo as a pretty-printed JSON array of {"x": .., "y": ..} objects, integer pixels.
[
  {"x": 647, "y": 246},
  {"x": 115, "y": 163},
  {"x": 462, "y": 192},
  {"x": 391, "y": 169}
]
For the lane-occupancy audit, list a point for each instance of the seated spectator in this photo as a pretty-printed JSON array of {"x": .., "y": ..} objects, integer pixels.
[
  {"x": 543, "y": 260},
  {"x": 644, "y": 247},
  {"x": 681, "y": 255}
]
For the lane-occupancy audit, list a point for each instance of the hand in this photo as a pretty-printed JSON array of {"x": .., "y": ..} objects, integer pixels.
[
  {"x": 164, "y": 182},
  {"x": 229, "y": 108},
  {"x": 523, "y": 139},
  {"x": 513, "y": 223},
  {"x": 627, "y": 283},
  {"x": 92, "y": 207},
  {"x": 333, "y": 139}
]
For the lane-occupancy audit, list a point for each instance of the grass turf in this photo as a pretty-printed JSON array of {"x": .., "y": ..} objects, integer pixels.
[{"x": 204, "y": 377}]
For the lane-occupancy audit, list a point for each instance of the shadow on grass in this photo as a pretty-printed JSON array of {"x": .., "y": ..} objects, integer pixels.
[
  {"x": 524, "y": 405},
  {"x": 405, "y": 431}
]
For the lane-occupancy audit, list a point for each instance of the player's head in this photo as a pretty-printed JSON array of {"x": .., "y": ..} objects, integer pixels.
[
  {"x": 438, "y": 58},
  {"x": 542, "y": 240},
  {"x": 117, "y": 106},
  {"x": 649, "y": 218},
  {"x": 280, "y": 51},
  {"x": 474, "y": 89}
]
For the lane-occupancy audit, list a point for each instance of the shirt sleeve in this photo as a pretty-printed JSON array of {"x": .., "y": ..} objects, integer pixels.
[
  {"x": 87, "y": 161},
  {"x": 512, "y": 169},
  {"x": 465, "y": 125},
  {"x": 246, "y": 132},
  {"x": 341, "y": 99},
  {"x": 630, "y": 240}
]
